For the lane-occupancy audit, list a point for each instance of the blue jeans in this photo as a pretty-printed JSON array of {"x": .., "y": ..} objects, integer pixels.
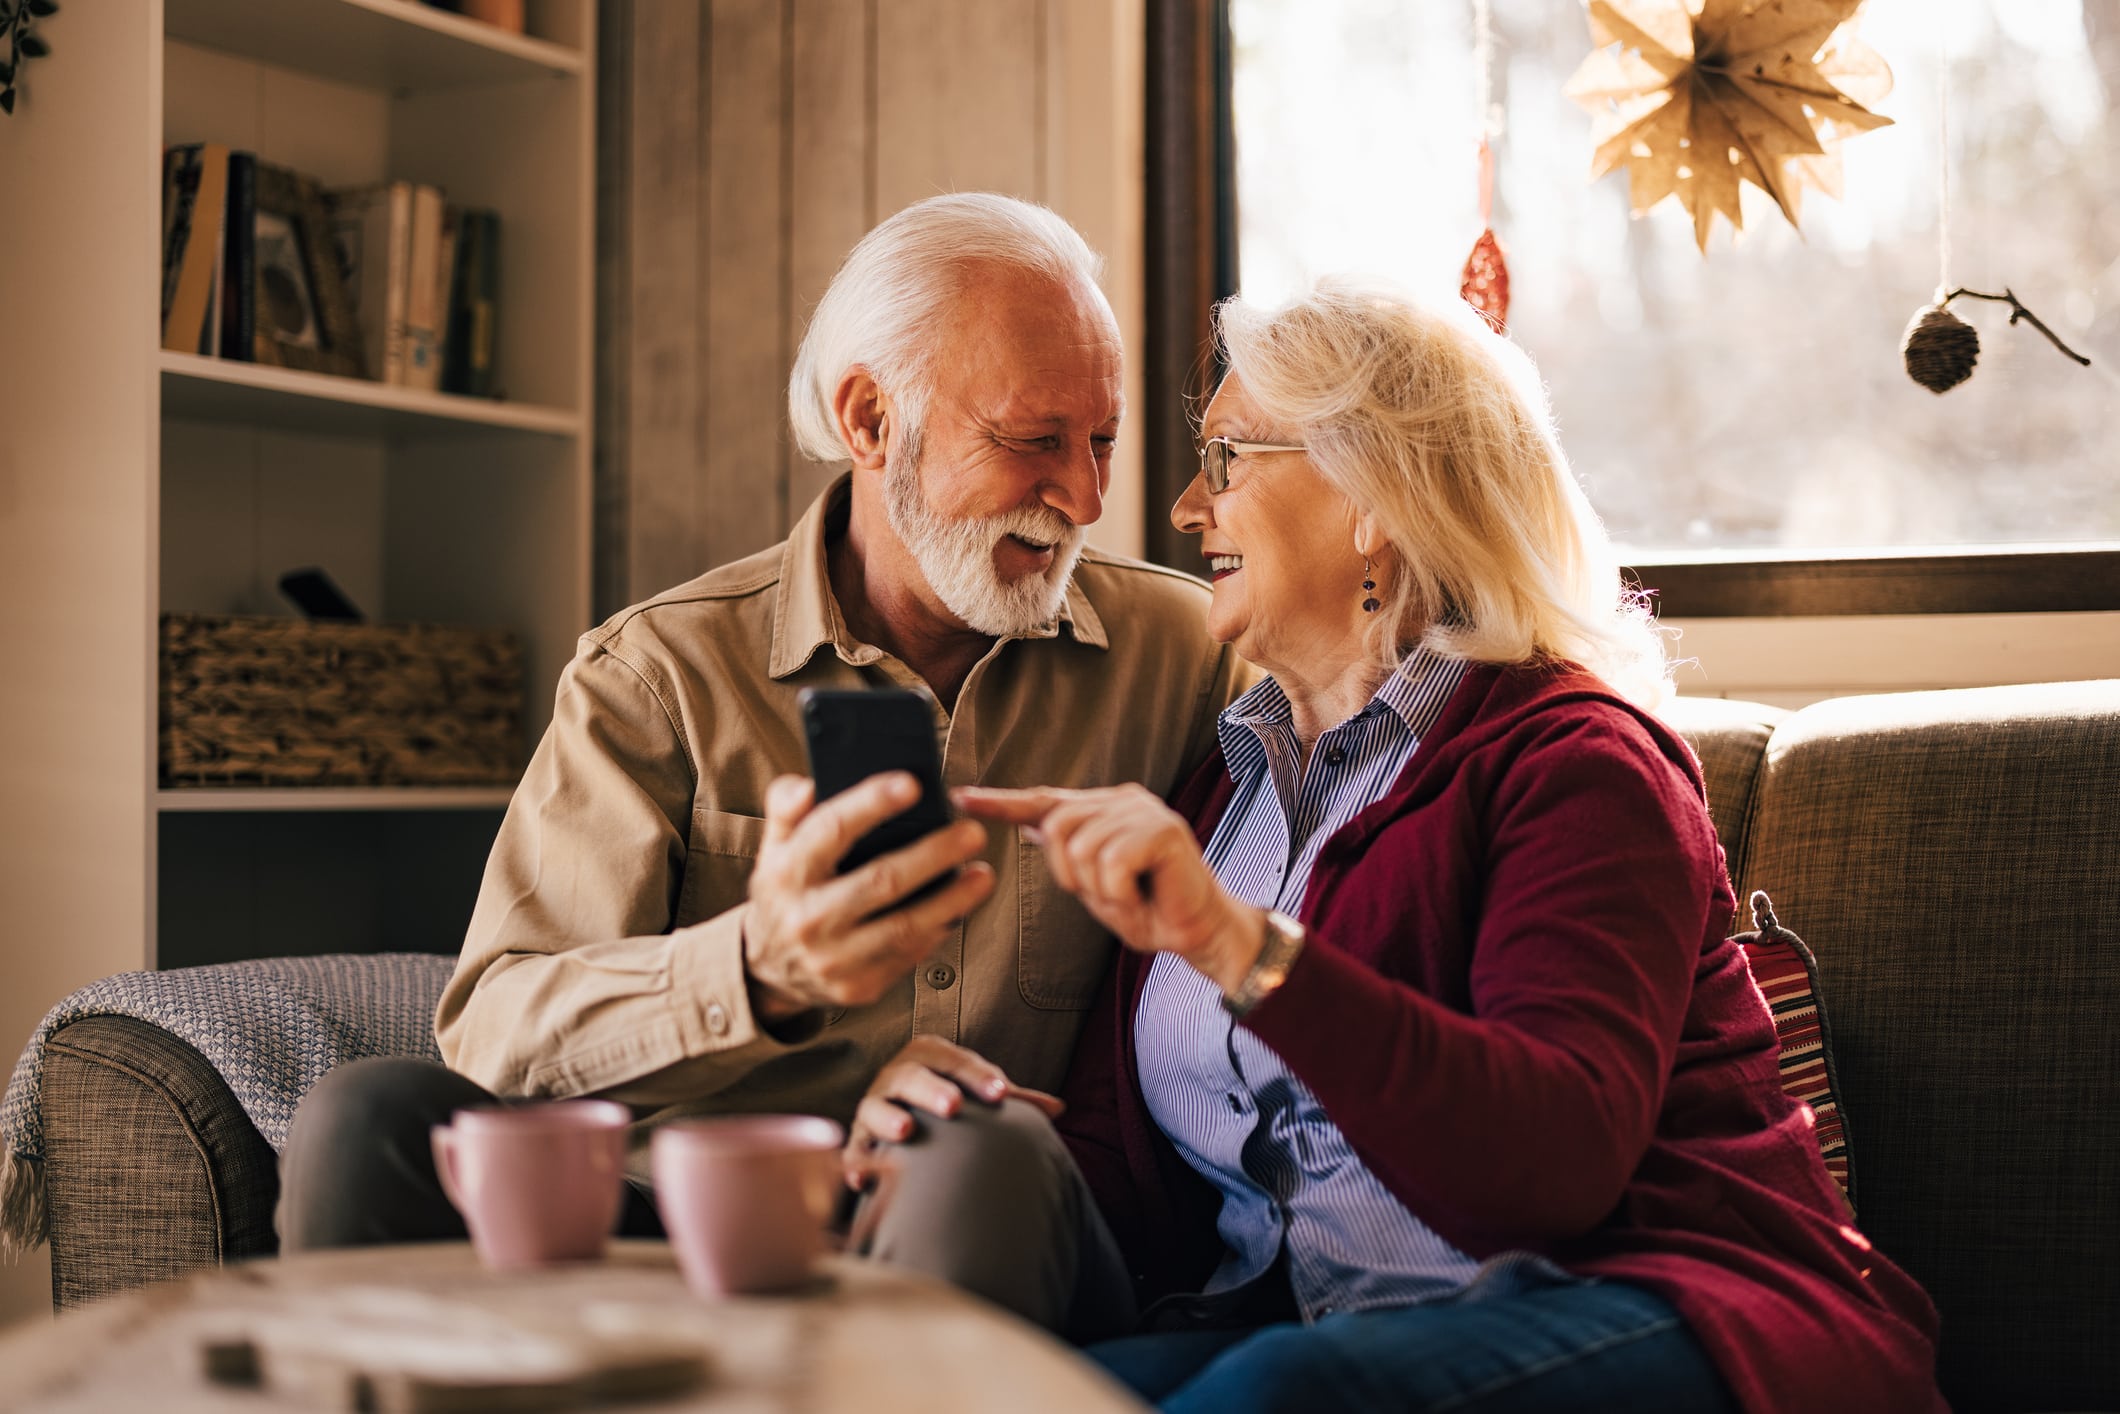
[{"x": 1597, "y": 1346}]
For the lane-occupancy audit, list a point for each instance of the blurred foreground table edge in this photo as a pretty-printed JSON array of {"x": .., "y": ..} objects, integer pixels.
[{"x": 858, "y": 1337}]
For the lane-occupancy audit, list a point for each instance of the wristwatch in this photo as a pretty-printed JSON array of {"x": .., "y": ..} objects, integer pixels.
[{"x": 1278, "y": 953}]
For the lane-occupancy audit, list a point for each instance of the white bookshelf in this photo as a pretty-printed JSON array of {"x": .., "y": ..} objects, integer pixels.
[{"x": 136, "y": 482}]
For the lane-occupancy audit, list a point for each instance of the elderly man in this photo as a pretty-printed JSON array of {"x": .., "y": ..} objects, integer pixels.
[{"x": 661, "y": 921}]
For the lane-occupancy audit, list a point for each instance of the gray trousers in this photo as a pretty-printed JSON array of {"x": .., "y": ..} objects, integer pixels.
[{"x": 990, "y": 1200}]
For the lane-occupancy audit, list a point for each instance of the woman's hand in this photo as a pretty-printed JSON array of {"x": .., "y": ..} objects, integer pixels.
[
  {"x": 1134, "y": 863},
  {"x": 933, "y": 1075}
]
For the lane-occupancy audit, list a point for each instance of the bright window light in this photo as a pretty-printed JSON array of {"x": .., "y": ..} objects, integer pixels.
[{"x": 1754, "y": 399}]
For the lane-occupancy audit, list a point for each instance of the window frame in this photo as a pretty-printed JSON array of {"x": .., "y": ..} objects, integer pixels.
[{"x": 1944, "y": 580}]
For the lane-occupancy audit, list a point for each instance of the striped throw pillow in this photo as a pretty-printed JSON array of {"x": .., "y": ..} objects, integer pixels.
[{"x": 1787, "y": 976}]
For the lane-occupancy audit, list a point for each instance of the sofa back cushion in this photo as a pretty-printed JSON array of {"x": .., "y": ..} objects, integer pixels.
[
  {"x": 1951, "y": 858},
  {"x": 1731, "y": 740}
]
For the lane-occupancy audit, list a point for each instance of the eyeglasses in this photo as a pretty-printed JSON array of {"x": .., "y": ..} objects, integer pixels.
[{"x": 1219, "y": 452}]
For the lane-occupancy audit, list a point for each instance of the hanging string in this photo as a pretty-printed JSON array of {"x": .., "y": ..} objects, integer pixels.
[
  {"x": 1943, "y": 163},
  {"x": 1483, "y": 67},
  {"x": 1490, "y": 118},
  {"x": 1940, "y": 349}
]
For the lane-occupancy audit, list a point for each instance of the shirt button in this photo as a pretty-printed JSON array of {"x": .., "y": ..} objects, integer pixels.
[
  {"x": 717, "y": 1018},
  {"x": 940, "y": 975},
  {"x": 1335, "y": 755}
]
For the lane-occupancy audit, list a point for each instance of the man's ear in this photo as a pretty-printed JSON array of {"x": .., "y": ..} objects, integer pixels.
[{"x": 864, "y": 418}]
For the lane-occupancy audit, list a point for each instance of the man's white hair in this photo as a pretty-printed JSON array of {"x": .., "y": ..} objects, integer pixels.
[{"x": 883, "y": 307}]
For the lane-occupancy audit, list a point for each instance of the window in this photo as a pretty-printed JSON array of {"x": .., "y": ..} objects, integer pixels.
[{"x": 1755, "y": 399}]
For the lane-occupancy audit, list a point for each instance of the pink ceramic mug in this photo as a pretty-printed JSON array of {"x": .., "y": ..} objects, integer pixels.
[
  {"x": 536, "y": 1183},
  {"x": 745, "y": 1198}
]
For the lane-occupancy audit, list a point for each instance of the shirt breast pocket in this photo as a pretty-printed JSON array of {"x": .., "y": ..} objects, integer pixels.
[
  {"x": 718, "y": 861},
  {"x": 1061, "y": 952}
]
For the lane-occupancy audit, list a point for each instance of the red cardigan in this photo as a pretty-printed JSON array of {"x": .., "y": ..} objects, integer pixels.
[{"x": 1519, "y": 1005}]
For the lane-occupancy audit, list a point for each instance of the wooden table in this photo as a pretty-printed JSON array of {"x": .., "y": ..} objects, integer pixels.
[{"x": 862, "y": 1337}]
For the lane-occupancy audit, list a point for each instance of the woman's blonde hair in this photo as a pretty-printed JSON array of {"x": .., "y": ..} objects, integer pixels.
[{"x": 1429, "y": 421}]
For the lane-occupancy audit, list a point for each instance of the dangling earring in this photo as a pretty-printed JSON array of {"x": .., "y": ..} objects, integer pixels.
[{"x": 1369, "y": 584}]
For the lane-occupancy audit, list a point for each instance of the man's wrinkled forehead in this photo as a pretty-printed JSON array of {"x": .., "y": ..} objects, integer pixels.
[{"x": 1040, "y": 346}]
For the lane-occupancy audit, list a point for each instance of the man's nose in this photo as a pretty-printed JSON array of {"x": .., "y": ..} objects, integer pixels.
[
  {"x": 1076, "y": 488},
  {"x": 1194, "y": 511}
]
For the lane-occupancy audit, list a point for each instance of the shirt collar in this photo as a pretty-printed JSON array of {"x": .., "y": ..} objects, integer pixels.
[
  {"x": 1415, "y": 693},
  {"x": 806, "y": 614},
  {"x": 1419, "y": 689}
]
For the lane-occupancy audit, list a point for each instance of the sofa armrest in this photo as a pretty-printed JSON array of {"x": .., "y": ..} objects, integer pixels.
[{"x": 151, "y": 1166}]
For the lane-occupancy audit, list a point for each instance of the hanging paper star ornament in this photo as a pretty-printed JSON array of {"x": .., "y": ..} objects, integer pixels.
[{"x": 1700, "y": 96}]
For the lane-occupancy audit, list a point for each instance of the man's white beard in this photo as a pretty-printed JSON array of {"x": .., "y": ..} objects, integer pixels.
[{"x": 957, "y": 556}]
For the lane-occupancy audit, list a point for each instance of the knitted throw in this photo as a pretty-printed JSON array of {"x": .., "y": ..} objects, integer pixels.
[{"x": 270, "y": 1027}]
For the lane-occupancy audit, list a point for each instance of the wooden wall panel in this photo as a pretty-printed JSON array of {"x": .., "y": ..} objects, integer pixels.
[
  {"x": 747, "y": 145},
  {"x": 831, "y": 175},
  {"x": 744, "y": 292},
  {"x": 960, "y": 102},
  {"x": 668, "y": 507}
]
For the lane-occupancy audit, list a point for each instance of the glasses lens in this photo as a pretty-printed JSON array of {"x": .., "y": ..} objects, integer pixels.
[{"x": 1214, "y": 460}]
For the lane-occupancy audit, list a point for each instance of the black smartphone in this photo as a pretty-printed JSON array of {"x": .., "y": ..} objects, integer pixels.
[{"x": 853, "y": 735}]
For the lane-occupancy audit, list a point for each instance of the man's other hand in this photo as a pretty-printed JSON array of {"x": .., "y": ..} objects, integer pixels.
[
  {"x": 818, "y": 938},
  {"x": 930, "y": 1074}
]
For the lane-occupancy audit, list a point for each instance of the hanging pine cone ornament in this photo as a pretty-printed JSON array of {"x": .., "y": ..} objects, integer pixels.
[
  {"x": 1485, "y": 282},
  {"x": 1940, "y": 348}
]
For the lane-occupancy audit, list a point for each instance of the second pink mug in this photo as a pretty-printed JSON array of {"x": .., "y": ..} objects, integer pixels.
[
  {"x": 745, "y": 1198},
  {"x": 536, "y": 1183}
]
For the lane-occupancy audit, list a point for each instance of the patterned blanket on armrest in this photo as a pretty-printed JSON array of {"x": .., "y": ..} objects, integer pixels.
[{"x": 270, "y": 1027}]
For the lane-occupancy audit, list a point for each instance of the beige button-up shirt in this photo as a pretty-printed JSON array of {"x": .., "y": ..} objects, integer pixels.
[{"x": 605, "y": 955}]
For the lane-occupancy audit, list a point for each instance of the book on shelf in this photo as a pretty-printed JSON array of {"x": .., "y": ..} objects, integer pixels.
[
  {"x": 239, "y": 266},
  {"x": 418, "y": 272},
  {"x": 192, "y": 248},
  {"x": 445, "y": 291},
  {"x": 180, "y": 189},
  {"x": 373, "y": 228},
  {"x": 424, "y": 292},
  {"x": 473, "y": 305}
]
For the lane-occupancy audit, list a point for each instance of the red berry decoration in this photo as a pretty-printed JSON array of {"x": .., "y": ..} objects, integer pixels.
[{"x": 1485, "y": 283}]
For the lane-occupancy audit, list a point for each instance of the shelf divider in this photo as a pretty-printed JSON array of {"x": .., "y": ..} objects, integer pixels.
[
  {"x": 388, "y": 44},
  {"x": 261, "y": 799},
  {"x": 200, "y": 389}
]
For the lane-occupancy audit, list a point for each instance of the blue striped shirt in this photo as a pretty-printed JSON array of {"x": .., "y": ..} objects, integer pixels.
[{"x": 1236, "y": 1113}]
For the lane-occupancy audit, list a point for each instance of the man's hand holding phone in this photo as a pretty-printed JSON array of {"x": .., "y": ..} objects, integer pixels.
[{"x": 818, "y": 938}]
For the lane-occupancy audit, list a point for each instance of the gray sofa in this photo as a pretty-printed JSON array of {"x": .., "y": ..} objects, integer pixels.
[{"x": 1953, "y": 858}]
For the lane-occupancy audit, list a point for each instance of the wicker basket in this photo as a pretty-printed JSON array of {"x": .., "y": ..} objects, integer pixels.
[{"x": 284, "y": 702}]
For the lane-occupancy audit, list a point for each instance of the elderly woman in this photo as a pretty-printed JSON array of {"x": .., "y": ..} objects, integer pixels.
[{"x": 1428, "y": 1078}]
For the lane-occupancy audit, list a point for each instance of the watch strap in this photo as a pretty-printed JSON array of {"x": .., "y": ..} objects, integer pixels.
[{"x": 1278, "y": 951}]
